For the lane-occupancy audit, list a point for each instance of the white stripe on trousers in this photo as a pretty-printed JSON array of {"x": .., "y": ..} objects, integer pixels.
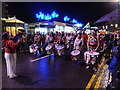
[{"x": 10, "y": 63}]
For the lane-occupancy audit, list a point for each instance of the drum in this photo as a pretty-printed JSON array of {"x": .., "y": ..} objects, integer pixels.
[
  {"x": 49, "y": 49},
  {"x": 90, "y": 57},
  {"x": 33, "y": 48},
  {"x": 75, "y": 55},
  {"x": 60, "y": 50}
]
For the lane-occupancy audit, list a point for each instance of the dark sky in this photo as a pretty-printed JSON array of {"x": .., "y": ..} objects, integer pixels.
[{"x": 82, "y": 11}]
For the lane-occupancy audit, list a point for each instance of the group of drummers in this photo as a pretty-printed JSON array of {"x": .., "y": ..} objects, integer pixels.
[{"x": 78, "y": 46}]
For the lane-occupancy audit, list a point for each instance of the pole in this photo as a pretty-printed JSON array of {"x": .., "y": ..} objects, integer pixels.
[
  {"x": 15, "y": 25},
  {"x": 119, "y": 14}
]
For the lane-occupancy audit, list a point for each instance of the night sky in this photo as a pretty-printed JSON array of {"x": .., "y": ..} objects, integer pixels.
[{"x": 81, "y": 11}]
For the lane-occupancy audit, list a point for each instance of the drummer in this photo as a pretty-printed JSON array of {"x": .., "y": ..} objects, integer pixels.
[
  {"x": 101, "y": 43},
  {"x": 68, "y": 39},
  {"x": 92, "y": 45},
  {"x": 93, "y": 42},
  {"x": 34, "y": 48},
  {"x": 85, "y": 38},
  {"x": 78, "y": 42},
  {"x": 50, "y": 39}
]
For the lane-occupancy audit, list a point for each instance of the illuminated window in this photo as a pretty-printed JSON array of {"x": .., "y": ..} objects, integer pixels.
[
  {"x": 106, "y": 27},
  {"x": 111, "y": 25},
  {"x": 103, "y": 27},
  {"x": 116, "y": 25}
]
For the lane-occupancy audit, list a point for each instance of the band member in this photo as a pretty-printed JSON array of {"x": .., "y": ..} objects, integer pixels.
[
  {"x": 63, "y": 39},
  {"x": 93, "y": 45},
  {"x": 47, "y": 38},
  {"x": 37, "y": 38},
  {"x": 51, "y": 39},
  {"x": 57, "y": 38},
  {"x": 93, "y": 42},
  {"x": 78, "y": 42},
  {"x": 34, "y": 48},
  {"x": 68, "y": 39},
  {"x": 101, "y": 43},
  {"x": 10, "y": 54},
  {"x": 85, "y": 38}
]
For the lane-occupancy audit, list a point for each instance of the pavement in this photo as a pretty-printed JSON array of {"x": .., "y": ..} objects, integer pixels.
[{"x": 48, "y": 72}]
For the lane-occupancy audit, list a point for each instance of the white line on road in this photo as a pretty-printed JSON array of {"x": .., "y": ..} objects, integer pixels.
[{"x": 40, "y": 58}]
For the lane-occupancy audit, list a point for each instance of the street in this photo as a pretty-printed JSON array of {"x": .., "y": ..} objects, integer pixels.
[{"x": 48, "y": 72}]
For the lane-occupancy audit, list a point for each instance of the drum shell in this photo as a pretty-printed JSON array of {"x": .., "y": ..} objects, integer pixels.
[
  {"x": 50, "y": 50},
  {"x": 60, "y": 51},
  {"x": 76, "y": 57},
  {"x": 88, "y": 59}
]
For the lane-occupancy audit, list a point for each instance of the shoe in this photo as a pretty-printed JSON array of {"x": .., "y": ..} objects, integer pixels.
[
  {"x": 95, "y": 69},
  {"x": 14, "y": 76},
  {"x": 87, "y": 67}
]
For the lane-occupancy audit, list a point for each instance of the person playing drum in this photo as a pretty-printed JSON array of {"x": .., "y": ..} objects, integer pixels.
[
  {"x": 34, "y": 48},
  {"x": 92, "y": 45},
  {"x": 78, "y": 42},
  {"x": 101, "y": 43},
  {"x": 93, "y": 42}
]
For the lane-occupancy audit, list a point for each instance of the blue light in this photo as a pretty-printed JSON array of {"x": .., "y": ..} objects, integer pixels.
[
  {"x": 38, "y": 16},
  {"x": 57, "y": 15},
  {"x": 47, "y": 17},
  {"x": 66, "y": 18},
  {"x": 54, "y": 14},
  {"x": 74, "y": 21},
  {"x": 41, "y": 15}
]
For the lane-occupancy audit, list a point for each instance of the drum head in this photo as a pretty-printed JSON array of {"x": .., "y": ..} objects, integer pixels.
[
  {"x": 75, "y": 52},
  {"x": 92, "y": 53},
  {"x": 59, "y": 47},
  {"x": 48, "y": 47}
]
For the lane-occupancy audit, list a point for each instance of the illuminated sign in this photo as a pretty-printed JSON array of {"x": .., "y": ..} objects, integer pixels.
[{"x": 47, "y": 17}]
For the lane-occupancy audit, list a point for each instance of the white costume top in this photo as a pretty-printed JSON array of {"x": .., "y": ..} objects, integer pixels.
[
  {"x": 77, "y": 41},
  {"x": 68, "y": 38}
]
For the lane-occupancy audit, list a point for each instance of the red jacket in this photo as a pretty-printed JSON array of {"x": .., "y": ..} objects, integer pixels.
[{"x": 10, "y": 46}]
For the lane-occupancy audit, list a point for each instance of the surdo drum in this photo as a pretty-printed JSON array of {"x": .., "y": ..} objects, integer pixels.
[
  {"x": 75, "y": 55},
  {"x": 60, "y": 50},
  {"x": 49, "y": 49},
  {"x": 90, "y": 57},
  {"x": 33, "y": 48}
]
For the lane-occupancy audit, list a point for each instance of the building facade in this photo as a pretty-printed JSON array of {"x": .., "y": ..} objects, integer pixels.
[
  {"x": 110, "y": 22},
  {"x": 13, "y": 25}
]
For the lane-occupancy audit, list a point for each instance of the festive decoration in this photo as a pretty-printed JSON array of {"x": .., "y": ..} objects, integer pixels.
[
  {"x": 74, "y": 21},
  {"x": 66, "y": 18},
  {"x": 47, "y": 17}
]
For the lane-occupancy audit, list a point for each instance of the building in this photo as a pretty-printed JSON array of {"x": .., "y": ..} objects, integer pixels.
[
  {"x": 110, "y": 21},
  {"x": 13, "y": 25},
  {"x": 44, "y": 27}
]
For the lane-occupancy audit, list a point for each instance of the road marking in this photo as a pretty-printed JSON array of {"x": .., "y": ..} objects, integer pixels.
[
  {"x": 90, "y": 82},
  {"x": 89, "y": 85},
  {"x": 33, "y": 60},
  {"x": 39, "y": 58}
]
